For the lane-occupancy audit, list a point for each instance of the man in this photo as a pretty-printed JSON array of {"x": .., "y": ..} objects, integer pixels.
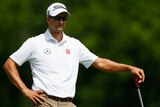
[{"x": 54, "y": 59}]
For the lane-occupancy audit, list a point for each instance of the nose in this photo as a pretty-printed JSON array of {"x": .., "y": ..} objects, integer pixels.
[{"x": 61, "y": 21}]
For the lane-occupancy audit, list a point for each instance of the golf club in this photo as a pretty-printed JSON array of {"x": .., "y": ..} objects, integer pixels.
[{"x": 139, "y": 92}]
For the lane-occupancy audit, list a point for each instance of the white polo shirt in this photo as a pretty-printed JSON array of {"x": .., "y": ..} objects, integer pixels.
[{"x": 54, "y": 65}]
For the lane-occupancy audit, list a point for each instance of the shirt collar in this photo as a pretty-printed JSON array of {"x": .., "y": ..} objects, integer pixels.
[{"x": 48, "y": 36}]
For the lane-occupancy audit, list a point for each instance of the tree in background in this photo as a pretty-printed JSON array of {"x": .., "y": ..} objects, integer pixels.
[{"x": 125, "y": 31}]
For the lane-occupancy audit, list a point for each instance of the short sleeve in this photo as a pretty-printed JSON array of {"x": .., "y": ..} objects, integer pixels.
[
  {"x": 86, "y": 57},
  {"x": 24, "y": 52}
]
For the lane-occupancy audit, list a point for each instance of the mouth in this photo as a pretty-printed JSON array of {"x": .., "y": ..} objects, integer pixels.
[{"x": 59, "y": 28}]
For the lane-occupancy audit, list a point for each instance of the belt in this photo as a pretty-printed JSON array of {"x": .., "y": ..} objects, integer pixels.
[{"x": 68, "y": 99}]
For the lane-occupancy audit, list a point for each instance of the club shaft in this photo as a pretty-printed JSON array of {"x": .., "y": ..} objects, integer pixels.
[{"x": 140, "y": 97}]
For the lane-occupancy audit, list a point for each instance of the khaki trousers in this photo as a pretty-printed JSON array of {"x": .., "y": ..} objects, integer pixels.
[{"x": 52, "y": 103}]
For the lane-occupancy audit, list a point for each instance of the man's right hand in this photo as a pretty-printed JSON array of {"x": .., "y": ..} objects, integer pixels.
[{"x": 34, "y": 96}]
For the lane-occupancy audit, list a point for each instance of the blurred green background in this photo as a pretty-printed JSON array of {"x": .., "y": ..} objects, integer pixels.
[{"x": 126, "y": 31}]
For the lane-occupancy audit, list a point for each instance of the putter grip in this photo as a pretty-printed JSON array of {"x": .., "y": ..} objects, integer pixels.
[{"x": 136, "y": 82}]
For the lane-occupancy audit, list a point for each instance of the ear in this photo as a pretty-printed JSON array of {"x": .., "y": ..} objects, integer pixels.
[{"x": 47, "y": 18}]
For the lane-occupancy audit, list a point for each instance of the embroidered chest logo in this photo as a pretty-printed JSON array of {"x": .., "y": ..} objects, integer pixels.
[
  {"x": 47, "y": 51},
  {"x": 68, "y": 51}
]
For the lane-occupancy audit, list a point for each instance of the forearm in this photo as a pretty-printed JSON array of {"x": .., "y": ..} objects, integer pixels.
[
  {"x": 110, "y": 66},
  {"x": 13, "y": 75},
  {"x": 16, "y": 80}
]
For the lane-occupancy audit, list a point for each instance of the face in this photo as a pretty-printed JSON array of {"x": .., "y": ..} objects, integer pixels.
[{"x": 57, "y": 23}]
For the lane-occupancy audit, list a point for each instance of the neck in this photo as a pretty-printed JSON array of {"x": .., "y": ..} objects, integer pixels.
[{"x": 58, "y": 35}]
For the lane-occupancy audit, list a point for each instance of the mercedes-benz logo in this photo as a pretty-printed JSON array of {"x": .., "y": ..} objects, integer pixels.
[{"x": 47, "y": 51}]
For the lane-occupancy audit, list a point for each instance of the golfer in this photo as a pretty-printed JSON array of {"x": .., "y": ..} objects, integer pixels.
[{"x": 54, "y": 59}]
